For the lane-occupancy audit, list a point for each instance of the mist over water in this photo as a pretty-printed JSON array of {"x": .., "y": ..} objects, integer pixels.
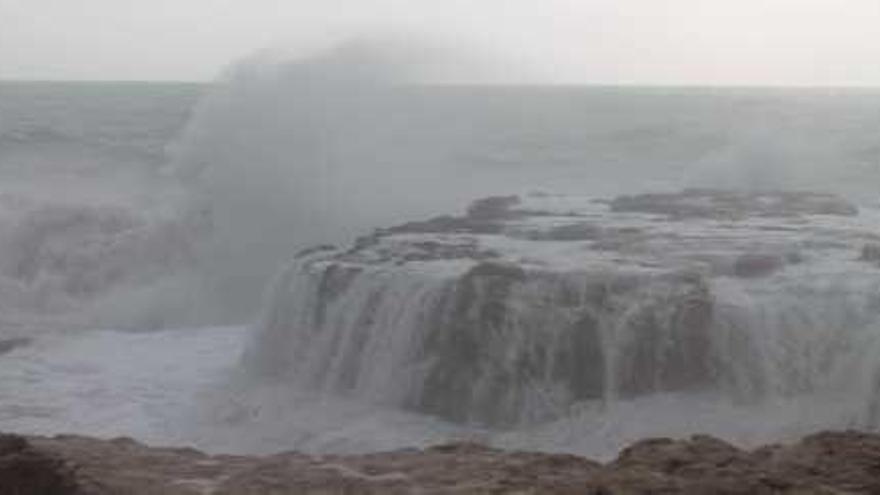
[{"x": 285, "y": 155}]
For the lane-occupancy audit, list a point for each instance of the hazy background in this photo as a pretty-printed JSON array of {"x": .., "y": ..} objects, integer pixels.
[{"x": 751, "y": 42}]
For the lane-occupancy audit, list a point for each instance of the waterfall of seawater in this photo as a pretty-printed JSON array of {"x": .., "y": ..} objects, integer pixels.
[{"x": 505, "y": 347}]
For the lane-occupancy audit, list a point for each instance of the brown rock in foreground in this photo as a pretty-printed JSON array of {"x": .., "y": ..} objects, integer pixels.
[
  {"x": 26, "y": 470},
  {"x": 825, "y": 463}
]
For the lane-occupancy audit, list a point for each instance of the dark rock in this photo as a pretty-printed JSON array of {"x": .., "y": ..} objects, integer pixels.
[
  {"x": 449, "y": 225},
  {"x": 751, "y": 265},
  {"x": 715, "y": 203},
  {"x": 794, "y": 257},
  {"x": 502, "y": 271},
  {"x": 467, "y": 347},
  {"x": 314, "y": 250},
  {"x": 334, "y": 280},
  {"x": 870, "y": 253},
  {"x": 9, "y": 344},
  {"x": 653, "y": 364},
  {"x": 580, "y": 231},
  {"x": 470, "y": 317},
  {"x": 493, "y": 208},
  {"x": 435, "y": 250},
  {"x": 25, "y": 470}
]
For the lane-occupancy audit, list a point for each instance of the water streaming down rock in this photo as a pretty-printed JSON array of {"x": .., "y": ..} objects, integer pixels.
[
  {"x": 480, "y": 320},
  {"x": 499, "y": 345}
]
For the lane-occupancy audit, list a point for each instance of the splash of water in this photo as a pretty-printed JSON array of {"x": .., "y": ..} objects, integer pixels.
[{"x": 289, "y": 154}]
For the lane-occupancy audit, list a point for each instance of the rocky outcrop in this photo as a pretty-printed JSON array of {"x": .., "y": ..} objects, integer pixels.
[
  {"x": 715, "y": 203},
  {"x": 27, "y": 470},
  {"x": 493, "y": 207},
  {"x": 527, "y": 305},
  {"x": 824, "y": 463}
]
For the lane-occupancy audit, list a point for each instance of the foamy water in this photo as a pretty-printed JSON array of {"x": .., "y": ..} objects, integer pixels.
[
  {"x": 110, "y": 383},
  {"x": 180, "y": 387}
]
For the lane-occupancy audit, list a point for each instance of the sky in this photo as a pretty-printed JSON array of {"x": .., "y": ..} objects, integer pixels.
[{"x": 666, "y": 42}]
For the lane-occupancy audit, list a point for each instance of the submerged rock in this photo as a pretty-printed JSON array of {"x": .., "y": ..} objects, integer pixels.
[
  {"x": 757, "y": 265},
  {"x": 8, "y": 344},
  {"x": 871, "y": 253}
]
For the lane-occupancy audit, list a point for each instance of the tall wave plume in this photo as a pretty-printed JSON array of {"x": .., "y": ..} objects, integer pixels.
[{"x": 287, "y": 153}]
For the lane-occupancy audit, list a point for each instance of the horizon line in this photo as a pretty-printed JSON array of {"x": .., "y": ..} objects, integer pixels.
[{"x": 587, "y": 84}]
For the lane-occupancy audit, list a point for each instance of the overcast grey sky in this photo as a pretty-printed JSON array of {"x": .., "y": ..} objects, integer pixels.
[{"x": 766, "y": 42}]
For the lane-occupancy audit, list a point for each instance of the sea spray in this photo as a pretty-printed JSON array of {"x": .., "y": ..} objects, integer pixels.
[{"x": 293, "y": 153}]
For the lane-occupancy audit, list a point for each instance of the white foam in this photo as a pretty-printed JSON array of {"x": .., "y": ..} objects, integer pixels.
[{"x": 109, "y": 383}]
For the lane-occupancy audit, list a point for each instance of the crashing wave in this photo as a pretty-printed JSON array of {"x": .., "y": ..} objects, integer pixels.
[{"x": 73, "y": 265}]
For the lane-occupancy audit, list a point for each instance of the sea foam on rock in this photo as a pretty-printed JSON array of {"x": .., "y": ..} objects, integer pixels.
[
  {"x": 716, "y": 203},
  {"x": 526, "y": 306}
]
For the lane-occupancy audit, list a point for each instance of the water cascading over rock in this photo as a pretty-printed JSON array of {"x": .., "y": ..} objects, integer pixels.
[{"x": 525, "y": 307}]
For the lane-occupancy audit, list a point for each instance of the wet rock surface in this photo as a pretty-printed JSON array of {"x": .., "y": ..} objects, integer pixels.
[
  {"x": 757, "y": 264},
  {"x": 824, "y": 463},
  {"x": 526, "y": 305},
  {"x": 716, "y": 203},
  {"x": 757, "y": 232}
]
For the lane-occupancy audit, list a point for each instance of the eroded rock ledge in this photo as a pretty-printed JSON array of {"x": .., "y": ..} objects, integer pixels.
[
  {"x": 522, "y": 306},
  {"x": 824, "y": 463}
]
